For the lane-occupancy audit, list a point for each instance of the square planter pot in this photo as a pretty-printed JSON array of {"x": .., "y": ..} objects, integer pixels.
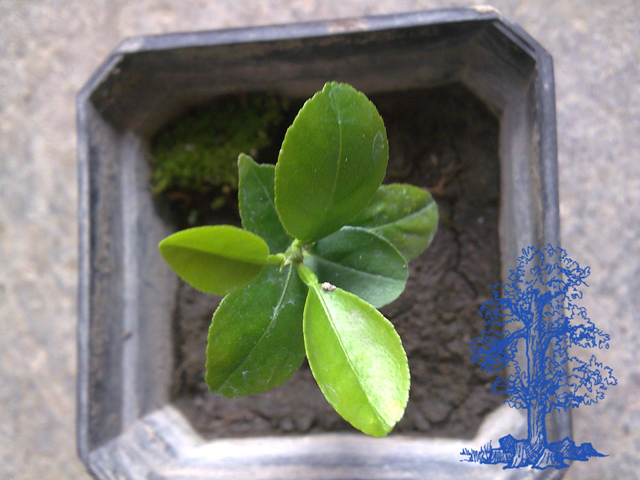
[{"x": 127, "y": 426}]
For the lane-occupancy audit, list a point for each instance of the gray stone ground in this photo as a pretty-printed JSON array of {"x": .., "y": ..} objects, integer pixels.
[{"x": 48, "y": 48}]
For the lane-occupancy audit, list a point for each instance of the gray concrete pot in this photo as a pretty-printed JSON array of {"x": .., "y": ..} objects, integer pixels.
[{"x": 127, "y": 429}]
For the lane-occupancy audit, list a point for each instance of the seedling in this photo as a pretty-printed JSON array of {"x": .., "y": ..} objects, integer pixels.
[{"x": 323, "y": 245}]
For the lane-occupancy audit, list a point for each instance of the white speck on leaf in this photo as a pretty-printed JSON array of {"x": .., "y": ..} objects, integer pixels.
[{"x": 327, "y": 287}]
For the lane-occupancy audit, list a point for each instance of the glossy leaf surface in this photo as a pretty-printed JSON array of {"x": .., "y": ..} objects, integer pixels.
[
  {"x": 257, "y": 205},
  {"x": 361, "y": 262},
  {"x": 255, "y": 340},
  {"x": 215, "y": 259},
  {"x": 404, "y": 214},
  {"x": 357, "y": 359},
  {"x": 332, "y": 161}
]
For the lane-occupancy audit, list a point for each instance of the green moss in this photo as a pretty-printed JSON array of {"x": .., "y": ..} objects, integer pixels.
[{"x": 197, "y": 154}]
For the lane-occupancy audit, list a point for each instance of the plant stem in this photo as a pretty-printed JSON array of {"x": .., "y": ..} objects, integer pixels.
[
  {"x": 275, "y": 260},
  {"x": 294, "y": 253},
  {"x": 306, "y": 275}
]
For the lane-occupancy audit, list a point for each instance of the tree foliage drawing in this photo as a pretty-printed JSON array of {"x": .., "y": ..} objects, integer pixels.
[{"x": 537, "y": 314}]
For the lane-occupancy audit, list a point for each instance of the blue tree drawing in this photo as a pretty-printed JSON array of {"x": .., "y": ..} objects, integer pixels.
[{"x": 537, "y": 313}]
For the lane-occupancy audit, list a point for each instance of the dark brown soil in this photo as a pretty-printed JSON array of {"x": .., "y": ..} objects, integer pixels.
[{"x": 443, "y": 139}]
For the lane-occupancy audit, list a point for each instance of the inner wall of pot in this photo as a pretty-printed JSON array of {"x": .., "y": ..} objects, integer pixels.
[{"x": 443, "y": 139}]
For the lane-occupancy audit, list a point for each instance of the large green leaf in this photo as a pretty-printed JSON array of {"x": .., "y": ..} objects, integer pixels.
[
  {"x": 332, "y": 161},
  {"x": 215, "y": 259},
  {"x": 256, "y": 202},
  {"x": 360, "y": 262},
  {"x": 255, "y": 338},
  {"x": 357, "y": 359},
  {"x": 404, "y": 214}
]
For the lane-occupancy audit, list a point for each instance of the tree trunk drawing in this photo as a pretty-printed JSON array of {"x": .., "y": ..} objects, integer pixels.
[{"x": 537, "y": 436}]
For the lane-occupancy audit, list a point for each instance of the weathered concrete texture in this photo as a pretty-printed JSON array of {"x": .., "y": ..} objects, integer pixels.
[{"x": 48, "y": 48}]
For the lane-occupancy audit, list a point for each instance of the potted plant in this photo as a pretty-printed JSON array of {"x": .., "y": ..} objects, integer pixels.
[
  {"x": 319, "y": 219},
  {"x": 127, "y": 425}
]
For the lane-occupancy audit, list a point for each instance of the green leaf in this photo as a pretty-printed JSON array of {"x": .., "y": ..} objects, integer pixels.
[
  {"x": 255, "y": 340},
  {"x": 256, "y": 202},
  {"x": 404, "y": 214},
  {"x": 215, "y": 259},
  {"x": 332, "y": 161},
  {"x": 360, "y": 262},
  {"x": 357, "y": 359}
]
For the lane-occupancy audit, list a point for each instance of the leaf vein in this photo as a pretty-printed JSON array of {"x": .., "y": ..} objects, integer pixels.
[
  {"x": 338, "y": 163},
  {"x": 344, "y": 350},
  {"x": 274, "y": 316}
]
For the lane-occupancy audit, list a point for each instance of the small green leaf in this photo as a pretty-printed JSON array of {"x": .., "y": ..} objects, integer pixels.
[
  {"x": 215, "y": 259},
  {"x": 360, "y": 262},
  {"x": 404, "y": 214},
  {"x": 256, "y": 203},
  {"x": 332, "y": 161},
  {"x": 255, "y": 339},
  {"x": 357, "y": 358}
]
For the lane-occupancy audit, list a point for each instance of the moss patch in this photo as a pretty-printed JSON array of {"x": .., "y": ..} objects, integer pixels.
[{"x": 196, "y": 154}]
